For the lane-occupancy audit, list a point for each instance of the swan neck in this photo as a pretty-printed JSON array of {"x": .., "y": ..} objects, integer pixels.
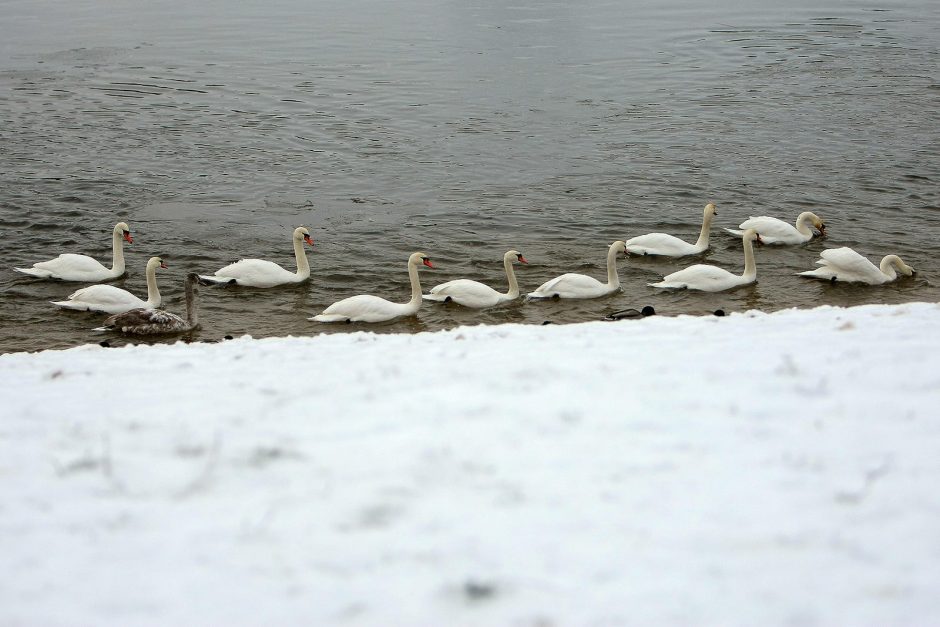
[
  {"x": 613, "y": 279},
  {"x": 192, "y": 318},
  {"x": 153, "y": 292},
  {"x": 303, "y": 266},
  {"x": 888, "y": 269},
  {"x": 750, "y": 267},
  {"x": 706, "y": 230},
  {"x": 803, "y": 227},
  {"x": 513, "y": 292},
  {"x": 415, "y": 301},
  {"x": 117, "y": 253}
]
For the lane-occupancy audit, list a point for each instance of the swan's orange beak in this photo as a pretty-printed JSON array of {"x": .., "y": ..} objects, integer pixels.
[
  {"x": 308, "y": 239},
  {"x": 822, "y": 229},
  {"x": 128, "y": 238},
  {"x": 427, "y": 262},
  {"x": 522, "y": 259},
  {"x": 163, "y": 265},
  {"x": 759, "y": 240}
]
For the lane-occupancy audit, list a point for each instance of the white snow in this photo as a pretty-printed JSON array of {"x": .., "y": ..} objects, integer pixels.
[{"x": 749, "y": 470}]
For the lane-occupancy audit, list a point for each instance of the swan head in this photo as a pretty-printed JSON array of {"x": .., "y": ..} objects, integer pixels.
[
  {"x": 154, "y": 263},
  {"x": 301, "y": 233},
  {"x": 710, "y": 210},
  {"x": 122, "y": 230},
  {"x": 420, "y": 258},
  {"x": 751, "y": 235},
  {"x": 619, "y": 247},
  {"x": 515, "y": 254},
  {"x": 808, "y": 217},
  {"x": 900, "y": 266}
]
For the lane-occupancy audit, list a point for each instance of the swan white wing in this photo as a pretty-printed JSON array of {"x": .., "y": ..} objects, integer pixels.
[
  {"x": 70, "y": 266},
  {"x": 847, "y": 265},
  {"x": 570, "y": 285},
  {"x": 362, "y": 308},
  {"x": 255, "y": 273},
  {"x": 105, "y": 298},
  {"x": 467, "y": 293},
  {"x": 772, "y": 230},
  {"x": 660, "y": 244},
  {"x": 700, "y": 277}
]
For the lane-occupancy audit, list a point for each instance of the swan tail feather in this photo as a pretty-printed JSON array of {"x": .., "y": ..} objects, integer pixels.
[
  {"x": 668, "y": 285},
  {"x": 217, "y": 280},
  {"x": 67, "y": 304},
  {"x": 329, "y": 318},
  {"x": 36, "y": 272}
]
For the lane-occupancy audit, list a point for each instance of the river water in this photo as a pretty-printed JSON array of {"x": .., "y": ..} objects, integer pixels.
[{"x": 461, "y": 129}]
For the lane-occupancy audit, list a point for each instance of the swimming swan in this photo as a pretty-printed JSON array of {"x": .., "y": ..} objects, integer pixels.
[
  {"x": 666, "y": 245},
  {"x": 477, "y": 295},
  {"x": 582, "y": 286},
  {"x": 263, "y": 273},
  {"x": 776, "y": 231},
  {"x": 368, "y": 308},
  {"x": 846, "y": 265},
  {"x": 112, "y": 300},
  {"x": 712, "y": 278},
  {"x": 72, "y": 267},
  {"x": 157, "y": 321}
]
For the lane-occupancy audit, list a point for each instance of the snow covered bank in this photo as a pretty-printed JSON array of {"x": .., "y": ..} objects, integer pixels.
[{"x": 756, "y": 469}]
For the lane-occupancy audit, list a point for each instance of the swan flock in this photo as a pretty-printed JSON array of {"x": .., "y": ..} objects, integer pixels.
[{"x": 134, "y": 315}]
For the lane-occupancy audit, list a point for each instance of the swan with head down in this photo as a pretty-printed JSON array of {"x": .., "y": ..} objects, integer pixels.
[
  {"x": 73, "y": 267},
  {"x": 263, "y": 273},
  {"x": 708, "y": 278},
  {"x": 113, "y": 300},
  {"x": 478, "y": 295},
  {"x": 665, "y": 245},
  {"x": 847, "y": 266},
  {"x": 368, "y": 308},
  {"x": 574, "y": 285},
  {"x": 776, "y": 231}
]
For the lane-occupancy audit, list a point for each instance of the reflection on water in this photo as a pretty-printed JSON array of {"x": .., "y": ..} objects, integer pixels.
[{"x": 464, "y": 131}]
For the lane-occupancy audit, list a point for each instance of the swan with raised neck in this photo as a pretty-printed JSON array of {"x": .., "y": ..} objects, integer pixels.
[
  {"x": 369, "y": 308},
  {"x": 263, "y": 273},
  {"x": 478, "y": 295},
  {"x": 113, "y": 300},
  {"x": 158, "y": 321},
  {"x": 665, "y": 245},
  {"x": 708, "y": 278},
  {"x": 574, "y": 285},
  {"x": 73, "y": 267}
]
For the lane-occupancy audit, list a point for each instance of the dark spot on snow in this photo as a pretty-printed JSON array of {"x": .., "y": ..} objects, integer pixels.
[{"x": 478, "y": 590}]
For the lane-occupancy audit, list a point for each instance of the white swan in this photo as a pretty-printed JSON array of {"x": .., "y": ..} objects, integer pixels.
[
  {"x": 667, "y": 245},
  {"x": 112, "y": 300},
  {"x": 72, "y": 267},
  {"x": 477, "y": 295},
  {"x": 262, "y": 273},
  {"x": 776, "y": 231},
  {"x": 368, "y": 308},
  {"x": 581, "y": 286},
  {"x": 844, "y": 264},
  {"x": 157, "y": 321},
  {"x": 712, "y": 278}
]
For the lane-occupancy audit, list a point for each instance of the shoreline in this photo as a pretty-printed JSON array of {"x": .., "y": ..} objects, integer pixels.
[{"x": 751, "y": 469}]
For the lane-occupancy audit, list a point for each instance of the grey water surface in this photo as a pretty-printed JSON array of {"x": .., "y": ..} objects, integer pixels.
[{"x": 461, "y": 129}]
